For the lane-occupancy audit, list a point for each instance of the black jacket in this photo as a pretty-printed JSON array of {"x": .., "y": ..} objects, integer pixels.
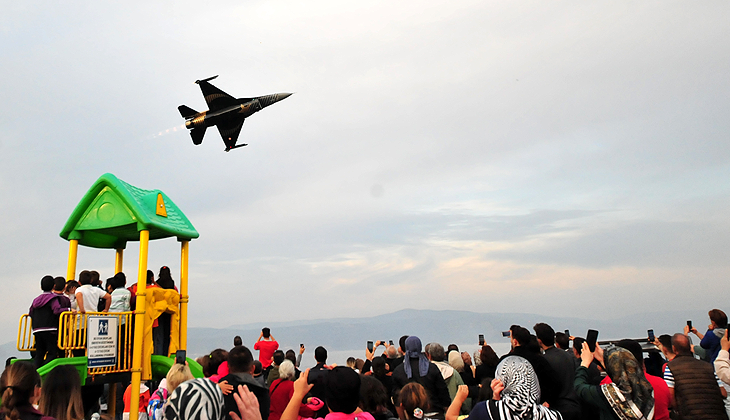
[
  {"x": 261, "y": 393},
  {"x": 433, "y": 382},
  {"x": 550, "y": 383}
]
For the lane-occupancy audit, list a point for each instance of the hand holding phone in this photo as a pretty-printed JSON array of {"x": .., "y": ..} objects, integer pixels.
[
  {"x": 591, "y": 339},
  {"x": 180, "y": 357},
  {"x": 650, "y": 333},
  {"x": 370, "y": 346},
  {"x": 505, "y": 333},
  {"x": 481, "y": 339}
]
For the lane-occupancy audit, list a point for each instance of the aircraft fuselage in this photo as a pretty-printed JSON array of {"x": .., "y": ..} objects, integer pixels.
[{"x": 209, "y": 119}]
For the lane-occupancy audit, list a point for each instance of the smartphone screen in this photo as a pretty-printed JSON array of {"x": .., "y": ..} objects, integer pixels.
[
  {"x": 180, "y": 357},
  {"x": 689, "y": 324},
  {"x": 505, "y": 333},
  {"x": 567, "y": 332},
  {"x": 651, "y": 334},
  {"x": 481, "y": 339},
  {"x": 370, "y": 346},
  {"x": 390, "y": 342},
  {"x": 591, "y": 339}
]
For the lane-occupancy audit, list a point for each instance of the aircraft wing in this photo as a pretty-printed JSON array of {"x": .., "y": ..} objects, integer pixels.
[
  {"x": 216, "y": 98},
  {"x": 230, "y": 131}
]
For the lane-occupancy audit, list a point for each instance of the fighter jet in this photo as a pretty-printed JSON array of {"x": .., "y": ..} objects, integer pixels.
[{"x": 226, "y": 112}]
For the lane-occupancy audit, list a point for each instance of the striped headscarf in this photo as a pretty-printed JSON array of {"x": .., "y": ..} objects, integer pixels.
[
  {"x": 196, "y": 399},
  {"x": 520, "y": 399}
]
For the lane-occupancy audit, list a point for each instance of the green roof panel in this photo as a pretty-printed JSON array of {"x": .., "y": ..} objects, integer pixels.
[{"x": 113, "y": 212}]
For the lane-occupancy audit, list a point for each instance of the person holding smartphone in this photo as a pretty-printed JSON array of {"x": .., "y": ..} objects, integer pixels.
[
  {"x": 710, "y": 340},
  {"x": 266, "y": 345}
]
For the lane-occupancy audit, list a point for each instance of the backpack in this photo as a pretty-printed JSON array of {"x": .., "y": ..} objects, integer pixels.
[{"x": 155, "y": 408}]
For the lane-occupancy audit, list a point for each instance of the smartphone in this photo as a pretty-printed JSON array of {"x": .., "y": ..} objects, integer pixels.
[
  {"x": 390, "y": 342},
  {"x": 567, "y": 332},
  {"x": 505, "y": 333},
  {"x": 180, "y": 357},
  {"x": 481, "y": 339},
  {"x": 689, "y": 324},
  {"x": 591, "y": 339},
  {"x": 301, "y": 345},
  {"x": 370, "y": 346},
  {"x": 651, "y": 335}
]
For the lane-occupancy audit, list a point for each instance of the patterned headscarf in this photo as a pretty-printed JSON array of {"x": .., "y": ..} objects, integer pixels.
[
  {"x": 413, "y": 351},
  {"x": 196, "y": 399},
  {"x": 521, "y": 395},
  {"x": 630, "y": 395}
]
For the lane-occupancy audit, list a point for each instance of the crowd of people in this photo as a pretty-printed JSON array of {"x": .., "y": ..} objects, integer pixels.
[{"x": 545, "y": 375}]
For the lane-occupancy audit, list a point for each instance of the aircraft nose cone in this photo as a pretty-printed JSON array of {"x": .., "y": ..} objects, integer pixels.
[{"x": 272, "y": 99}]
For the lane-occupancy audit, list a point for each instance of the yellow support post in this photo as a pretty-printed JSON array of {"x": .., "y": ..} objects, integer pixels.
[
  {"x": 119, "y": 261},
  {"x": 73, "y": 249},
  {"x": 184, "y": 254},
  {"x": 139, "y": 321}
]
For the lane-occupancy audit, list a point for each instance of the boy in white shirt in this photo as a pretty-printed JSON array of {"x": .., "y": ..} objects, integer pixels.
[{"x": 87, "y": 296}]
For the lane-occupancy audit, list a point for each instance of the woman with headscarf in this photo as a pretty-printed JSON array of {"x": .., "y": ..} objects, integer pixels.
[
  {"x": 629, "y": 397},
  {"x": 516, "y": 395},
  {"x": 417, "y": 368}
]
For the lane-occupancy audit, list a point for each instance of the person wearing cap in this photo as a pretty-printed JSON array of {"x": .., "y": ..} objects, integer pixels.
[{"x": 342, "y": 395}]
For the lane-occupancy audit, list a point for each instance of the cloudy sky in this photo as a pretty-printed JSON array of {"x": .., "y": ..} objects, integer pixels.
[{"x": 562, "y": 158}]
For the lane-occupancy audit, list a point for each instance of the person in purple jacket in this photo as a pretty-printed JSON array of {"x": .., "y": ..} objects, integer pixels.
[{"x": 44, "y": 313}]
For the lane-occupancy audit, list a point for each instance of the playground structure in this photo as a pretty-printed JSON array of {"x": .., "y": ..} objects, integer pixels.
[{"x": 109, "y": 215}]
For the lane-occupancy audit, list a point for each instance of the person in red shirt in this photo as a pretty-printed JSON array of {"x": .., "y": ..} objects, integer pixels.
[{"x": 266, "y": 345}]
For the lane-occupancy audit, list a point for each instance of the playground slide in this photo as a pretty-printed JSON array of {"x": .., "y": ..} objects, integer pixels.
[
  {"x": 77, "y": 362},
  {"x": 161, "y": 365}
]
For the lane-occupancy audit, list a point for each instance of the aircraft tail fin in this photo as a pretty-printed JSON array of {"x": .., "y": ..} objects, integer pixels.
[
  {"x": 186, "y": 111},
  {"x": 197, "y": 135}
]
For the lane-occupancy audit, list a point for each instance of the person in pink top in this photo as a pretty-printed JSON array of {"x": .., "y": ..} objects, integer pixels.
[{"x": 266, "y": 345}]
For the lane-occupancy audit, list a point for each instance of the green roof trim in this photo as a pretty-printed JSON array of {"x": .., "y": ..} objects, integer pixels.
[{"x": 113, "y": 212}]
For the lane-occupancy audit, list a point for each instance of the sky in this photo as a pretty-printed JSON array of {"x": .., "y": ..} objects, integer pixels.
[{"x": 561, "y": 158}]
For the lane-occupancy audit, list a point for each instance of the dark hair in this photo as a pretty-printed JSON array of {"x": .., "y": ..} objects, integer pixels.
[
  {"x": 373, "y": 395},
  {"x": 488, "y": 356},
  {"x": 237, "y": 341},
  {"x": 413, "y": 396},
  {"x": 266, "y": 332},
  {"x": 70, "y": 284},
  {"x": 718, "y": 317},
  {"x": 634, "y": 347},
  {"x": 521, "y": 334},
  {"x": 204, "y": 362},
  {"x": 320, "y": 354},
  {"x": 150, "y": 277},
  {"x": 452, "y": 347},
  {"x": 18, "y": 384},
  {"x": 59, "y": 283},
  {"x": 279, "y": 357},
  {"x": 342, "y": 393},
  {"x": 47, "y": 283},
  {"x": 240, "y": 360},
  {"x": 258, "y": 367},
  {"x": 402, "y": 343},
  {"x": 84, "y": 278},
  {"x": 666, "y": 341},
  {"x": 61, "y": 394},
  {"x": 562, "y": 340},
  {"x": 121, "y": 278},
  {"x": 164, "y": 279},
  {"x": 291, "y": 356},
  {"x": 545, "y": 333},
  {"x": 378, "y": 364},
  {"x": 217, "y": 357},
  {"x": 94, "y": 277},
  {"x": 485, "y": 391},
  {"x": 112, "y": 282},
  {"x": 578, "y": 344}
]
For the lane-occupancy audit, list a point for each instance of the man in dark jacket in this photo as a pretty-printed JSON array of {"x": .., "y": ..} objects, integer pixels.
[
  {"x": 694, "y": 388},
  {"x": 241, "y": 367},
  {"x": 567, "y": 402},
  {"x": 44, "y": 314},
  {"x": 550, "y": 384}
]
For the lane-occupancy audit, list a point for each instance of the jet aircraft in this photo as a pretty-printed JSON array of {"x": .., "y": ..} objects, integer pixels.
[{"x": 225, "y": 112}]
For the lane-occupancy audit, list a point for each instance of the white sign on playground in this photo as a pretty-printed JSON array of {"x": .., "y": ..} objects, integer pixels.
[{"x": 102, "y": 341}]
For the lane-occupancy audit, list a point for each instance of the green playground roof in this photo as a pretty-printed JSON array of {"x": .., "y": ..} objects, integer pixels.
[{"x": 113, "y": 212}]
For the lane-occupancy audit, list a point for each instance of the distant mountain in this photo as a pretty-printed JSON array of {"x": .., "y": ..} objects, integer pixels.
[{"x": 459, "y": 327}]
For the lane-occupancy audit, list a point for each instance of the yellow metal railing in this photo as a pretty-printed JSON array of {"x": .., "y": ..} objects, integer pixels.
[
  {"x": 72, "y": 338},
  {"x": 26, "y": 341}
]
